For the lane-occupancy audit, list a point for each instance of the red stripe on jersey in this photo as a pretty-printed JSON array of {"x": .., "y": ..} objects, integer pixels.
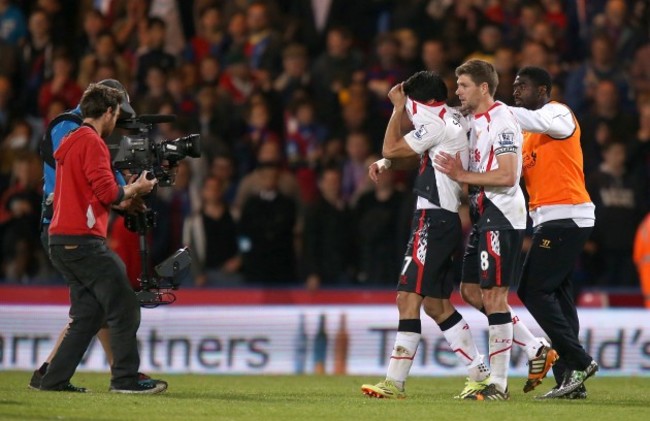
[
  {"x": 442, "y": 113},
  {"x": 418, "y": 263},
  {"x": 415, "y": 108},
  {"x": 497, "y": 258},
  {"x": 486, "y": 114},
  {"x": 423, "y": 163}
]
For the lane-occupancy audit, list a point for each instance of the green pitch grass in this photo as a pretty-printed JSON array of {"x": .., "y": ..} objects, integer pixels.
[{"x": 202, "y": 397}]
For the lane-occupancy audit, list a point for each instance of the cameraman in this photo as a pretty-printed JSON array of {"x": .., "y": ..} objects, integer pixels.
[
  {"x": 57, "y": 129},
  {"x": 99, "y": 287}
]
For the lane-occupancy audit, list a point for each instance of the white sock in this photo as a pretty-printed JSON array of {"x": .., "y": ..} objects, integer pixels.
[
  {"x": 459, "y": 337},
  {"x": 401, "y": 359},
  {"x": 500, "y": 346},
  {"x": 477, "y": 370},
  {"x": 524, "y": 337}
]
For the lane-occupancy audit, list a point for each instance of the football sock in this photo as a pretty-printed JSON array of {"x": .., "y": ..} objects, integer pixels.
[
  {"x": 406, "y": 345},
  {"x": 459, "y": 337},
  {"x": 500, "y": 346},
  {"x": 524, "y": 338}
]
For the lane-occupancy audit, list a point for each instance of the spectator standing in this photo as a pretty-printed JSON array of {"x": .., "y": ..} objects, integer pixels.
[
  {"x": 61, "y": 86},
  {"x": 329, "y": 240},
  {"x": 294, "y": 80},
  {"x": 618, "y": 200},
  {"x": 264, "y": 45},
  {"x": 37, "y": 55},
  {"x": 104, "y": 53},
  {"x": 93, "y": 24},
  {"x": 269, "y": 154},
  {"x": 23, "y": 260},
  {"x": 267, "y": 232},
  {"x": 304, "y": 146},
  {"x": 384, "y": 72},
  {"x": 380, "y": 216},
  {"x": 211, "y": 235},
  {"x": 581, "y": 82},
  {"x": 640, "y": 72},
  {"x": 210, "y": 39},
  {"x": 605, "y": 122},
  {"x": 638, "y": 155},
  {"x": 355, "y": 174},
  {"x": 154, "y": 55},
  {"x": 333, "y": 70}
]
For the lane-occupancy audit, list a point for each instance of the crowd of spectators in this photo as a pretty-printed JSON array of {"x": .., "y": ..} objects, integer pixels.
[{"x": 289, "y": 97}]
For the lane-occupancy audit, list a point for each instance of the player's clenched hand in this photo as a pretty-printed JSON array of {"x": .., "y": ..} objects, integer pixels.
[
  {"x": 377, "y": 168},
  {"x": 396, "y": 96}
]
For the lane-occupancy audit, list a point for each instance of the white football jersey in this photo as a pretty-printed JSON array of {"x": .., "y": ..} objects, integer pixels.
[
  {"x": 437, "y": 127},
  {"x": 493, "y": 133}
]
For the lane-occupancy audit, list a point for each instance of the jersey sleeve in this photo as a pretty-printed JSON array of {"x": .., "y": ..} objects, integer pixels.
[
  {"x": 426, "y": 136},
  {"x": 553, "y": 119},
  {"x": 505, "y": 134}
]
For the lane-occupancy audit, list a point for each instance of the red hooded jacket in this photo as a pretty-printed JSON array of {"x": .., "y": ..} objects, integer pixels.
[{"x": 85, "y": 188}]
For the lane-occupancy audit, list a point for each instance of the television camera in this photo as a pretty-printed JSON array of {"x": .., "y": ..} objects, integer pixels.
[{"x": 138, "y": 152}]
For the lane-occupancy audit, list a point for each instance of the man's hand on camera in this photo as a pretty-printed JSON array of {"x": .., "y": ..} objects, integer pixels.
[
  {"x": 144, "y": 184},
  {"x": 140, "y": 187}
]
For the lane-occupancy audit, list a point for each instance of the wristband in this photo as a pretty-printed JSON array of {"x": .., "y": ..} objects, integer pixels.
[{"x": 383, "y": 164}]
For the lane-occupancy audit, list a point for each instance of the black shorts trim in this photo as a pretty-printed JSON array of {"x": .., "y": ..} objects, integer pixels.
[
  {"x": 435, "y": 237},
  {"x": 493, "y": 258}
]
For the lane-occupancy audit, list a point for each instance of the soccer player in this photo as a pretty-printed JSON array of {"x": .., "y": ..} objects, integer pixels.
[
  {"x": 498, "y": 214},
  {"x": 436, "y": 229},
  {"x": 563, "y": 217}
]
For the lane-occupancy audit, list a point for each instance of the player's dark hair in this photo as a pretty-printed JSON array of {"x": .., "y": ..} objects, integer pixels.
[
  {"x": 425, "y": 86},
  {"x": 98, "y": 98},
  {"x": 538, "y": 76},
  {"x": 480, "y": 72}
]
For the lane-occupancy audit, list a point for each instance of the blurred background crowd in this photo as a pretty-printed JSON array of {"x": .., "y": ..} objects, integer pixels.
[{"x": 289, "y": 97}]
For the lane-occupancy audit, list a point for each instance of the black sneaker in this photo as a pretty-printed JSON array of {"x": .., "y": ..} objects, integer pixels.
[
  {"x": 576, "y": 378},
  {"x": 35, "y": 381},
  {"x": 66, "y": 388},
  {"x": 579, "y": 393},
  {"x": 146, "y": 387}
]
